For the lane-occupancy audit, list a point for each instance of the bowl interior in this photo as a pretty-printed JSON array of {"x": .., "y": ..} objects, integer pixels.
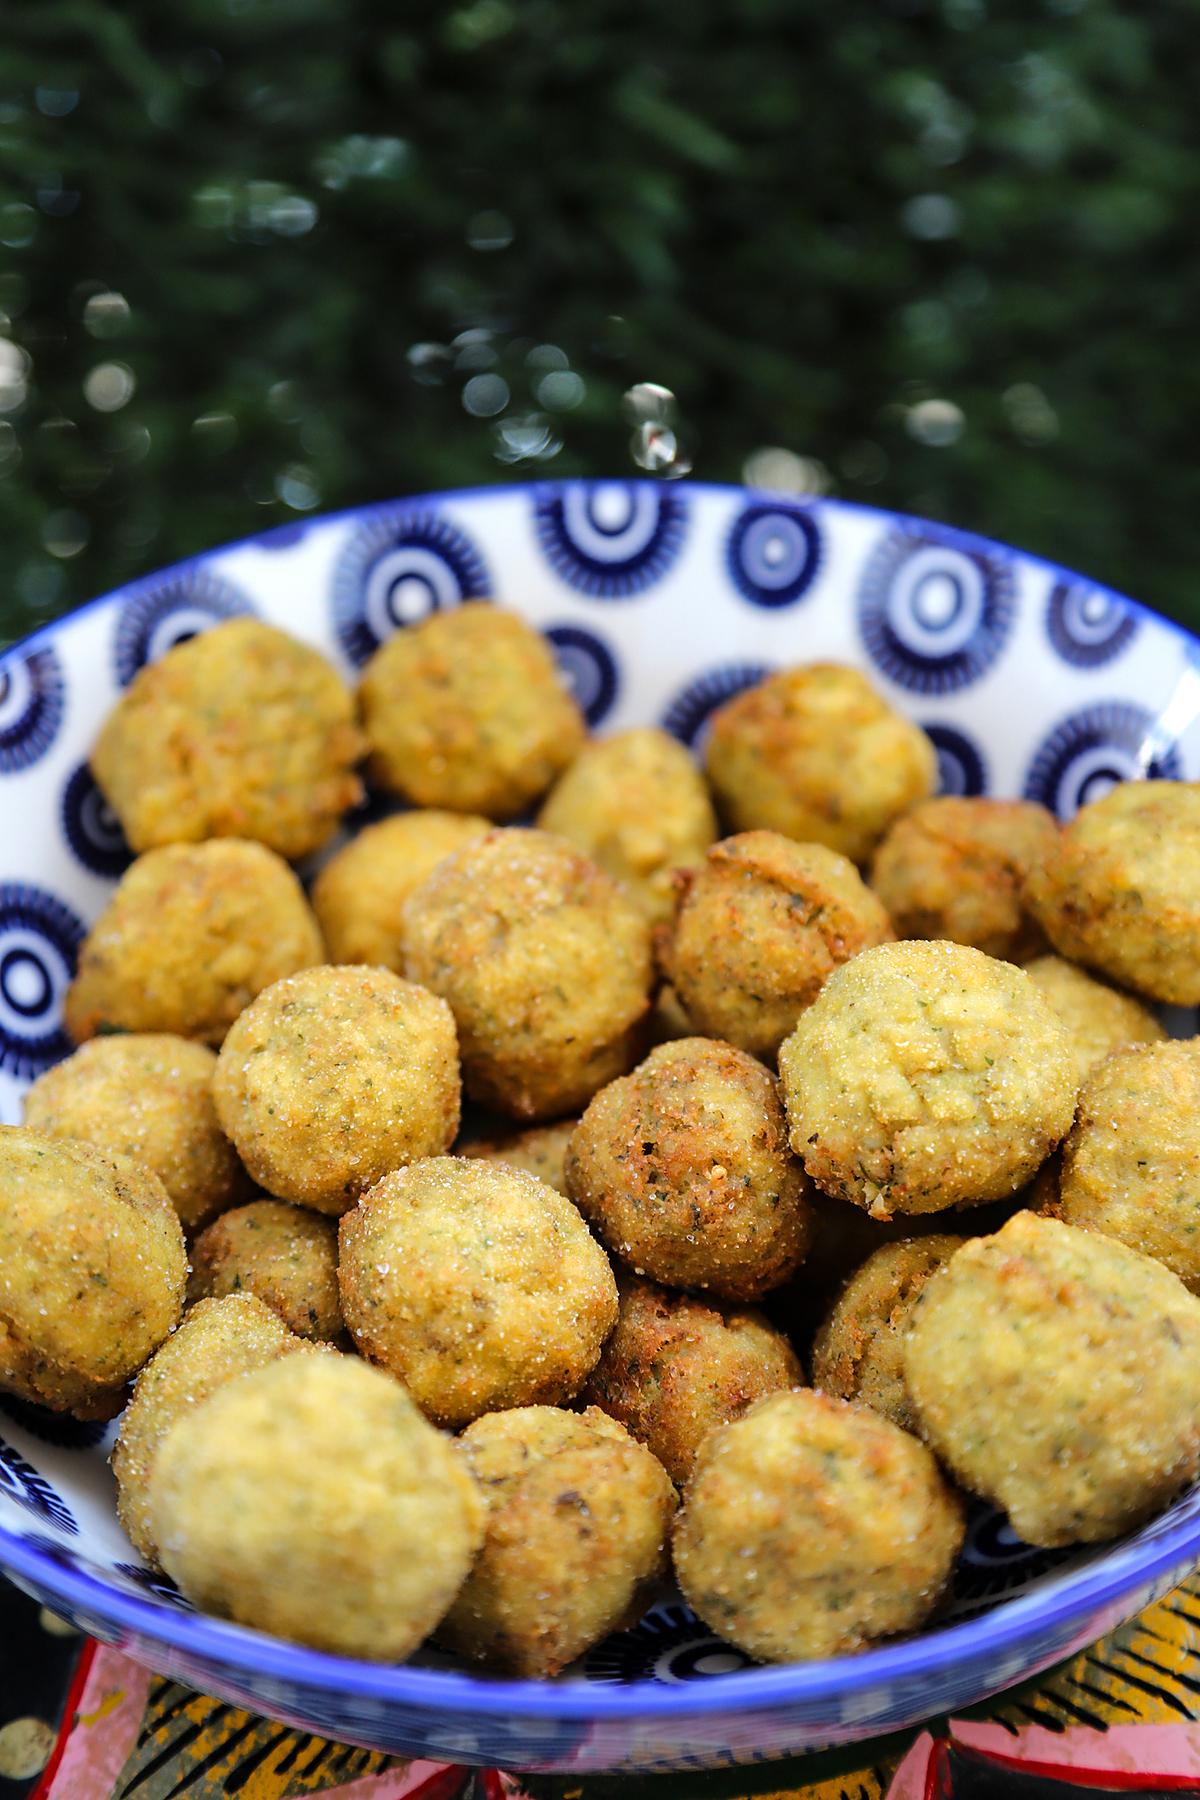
[{"x": 661, "y": 602}]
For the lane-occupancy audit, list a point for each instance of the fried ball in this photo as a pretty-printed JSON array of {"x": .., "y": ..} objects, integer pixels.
[
  {"x": 1057, "y": 1373},
  {"x": 149, "y": 1097},
  {"x": 467, "y": 710},
  {"x": 311, "y": 1499},
  {"x": 858, "y": 1353},
  {"x": 1131, "y": 1163},
  {"x": 334, "y": 1076},
  {"x": 359, "y": 895},
  {"x": 284, "y": 1255},
  {"x": 636, "y": 804},
  {"x": 1098, "y": 1018},
  {"x": 546, "y": 965},
  {"x": 812, "y": 1528},
  {"x": 241, "y": 732},
  {"x": 683, "y": 1168},
  {"x": 954, "y": 868},
  {"x": 926, "y": 1075},
  {"x": 817, "y": 754},
  {"x": 1121, "y": 891},
  {"x": 475, "y": 1284},
  {"x": 540, "y": 1151},
  {"x": 217, "y": 1341},
  {"x": 577, "y": 1517},
  {"x": 676, "y": 1367},
  {"x": 758, "y": 929},
  {"x": 191, "y": 935},
  {"x": 92, "y": 1272}
]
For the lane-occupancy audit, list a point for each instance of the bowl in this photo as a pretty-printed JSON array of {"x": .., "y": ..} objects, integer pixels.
[{"x": 661, "y": 600}]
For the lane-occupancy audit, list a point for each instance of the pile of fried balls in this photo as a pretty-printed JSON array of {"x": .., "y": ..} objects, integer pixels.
[{"x": 812, "y": 1178}]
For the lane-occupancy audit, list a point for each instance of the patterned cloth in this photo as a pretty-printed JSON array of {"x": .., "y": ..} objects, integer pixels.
[{"x": 1125, "y": 1714}]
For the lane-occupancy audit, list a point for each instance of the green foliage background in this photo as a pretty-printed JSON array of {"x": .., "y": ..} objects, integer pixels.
[{"x": 805, "y": 220}]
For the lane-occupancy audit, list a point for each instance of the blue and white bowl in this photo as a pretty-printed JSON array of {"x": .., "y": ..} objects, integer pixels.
[{"x": 662, "y": 601}]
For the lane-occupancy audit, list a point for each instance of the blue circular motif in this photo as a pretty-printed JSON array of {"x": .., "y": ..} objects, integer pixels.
[
  {"x": 961, "y": 768},
  {"x": 935, "y": 612},
  {"x": 1089, "y": 626},
  {"x": 160, "y": 1586},
  {"x": 670, "y": 1645},
  {"x": 32, "y": 702},
  {"x": 91, "y": 827},
  {"x": 39, "y": 944},
  {"x": 397, "y": 569},
  {"x": 610, "y": 539},
  {"x": 1090, "y": 752},
  {"x": 59, "y": 1429},
  {"x": 168, "y": 610},
  {"x": 773, "y": 553},
  {"x": 22, "y": 1483},
  {"x": 994, "y": 1562},
  {"x": 590, "y": 669},
  {"x": 688, "y": 714}
]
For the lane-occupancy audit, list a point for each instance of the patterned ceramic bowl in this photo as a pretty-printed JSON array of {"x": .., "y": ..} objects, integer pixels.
[{"x": 661, "y": 602}]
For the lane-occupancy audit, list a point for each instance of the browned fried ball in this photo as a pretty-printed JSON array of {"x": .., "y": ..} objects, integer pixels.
[
  {"x": 217, "y": 1341},
  {"x": 1098, "y": 1018},
  {"x": 359, "y": 895},
  {"x": 285, "y": 1255},
  {"x": 147, "y": 1096},
  {"x": 1131, "y": 1161},
  {"x": 92, "y": 1272},
  {"x": 467, "y": 710},
  {"x": 545, "y": 963},
  {"x": 191, "y": 935},
  {"x": 577, "y": 1518},
  {"x": 676, "y": 1367},
  {"x": 817, "y": 754},
  {"x": 637, "y": 804},
  {"x": 684, "y": 1170},
  {"x": 334, "y": 1076},
  {"x": 240, "y": 732},
  {"x": 758, "y": 928},
  {"x": 477, "y": 1285},
  {"x": 858, "y": 1353},
  {"x": 954, "y": 868},
  {"x": 1121, "y": 892}
]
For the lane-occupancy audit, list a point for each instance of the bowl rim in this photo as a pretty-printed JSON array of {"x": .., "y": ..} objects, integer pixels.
[{"x": 1019, "y": 1625}]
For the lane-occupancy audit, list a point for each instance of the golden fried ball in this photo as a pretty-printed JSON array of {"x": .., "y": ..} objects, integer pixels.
[
  {"x": 577, "y": 1517},
  {"x": 812, "y": 1528},
  {"x": 311, "y": 1499},
  {"x": 284, "y": 1255},
  {"x": 1121, "y": 892},
  {"x": 218, "y": 1341},
  {"x": 926, "y": 1075},
  {"x": 636, "y": 804},
  {"x": 147, "y": 1096},
  {"x": 758, "y": 929},
  {"x": 475, "y": 1284},
  {"x": 467, "y": 710},
  {"x": 241, "y": 732},
  {"x": 359, "y": 895},
  {"x": 817, "y": 754},
  {"x": 1098, "y": 1018},
  {"x": 858, "y": 1353},
  {"x": 334, "y": 1076},
  {"x": 1057, "y": 1373},
  {"x": 683, "y": 1168},
  {"x": 540, "y": 1151},
  {"x": 954, "y": 868},
  {"x": 1131, "y": 1162},
  {"x": 675, "y": 1367},
  {"x": 546, "y": 965},
  {"x": 92, "y": 1272},
  {"x": 191, "y": 935}
]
